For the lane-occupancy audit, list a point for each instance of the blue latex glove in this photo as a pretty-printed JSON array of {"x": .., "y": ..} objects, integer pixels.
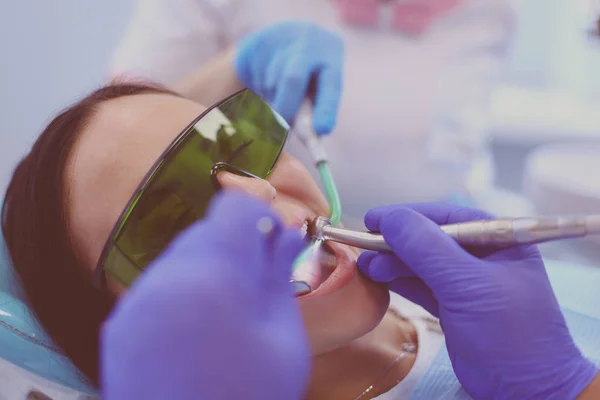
[
  {"x": 505, "y": 333},
  {"x": 278, "y": 63},
  {"x": 214, "y": 316}
]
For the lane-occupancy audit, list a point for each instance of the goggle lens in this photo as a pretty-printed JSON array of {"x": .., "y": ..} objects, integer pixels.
[{"x": 242, "y": 131}]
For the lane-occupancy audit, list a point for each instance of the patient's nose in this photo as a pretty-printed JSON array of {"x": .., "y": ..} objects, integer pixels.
[{"x": 259, "y": 188}]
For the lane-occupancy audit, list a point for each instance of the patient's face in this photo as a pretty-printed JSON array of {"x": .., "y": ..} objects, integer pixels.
[{"x": 102, "y": 175}]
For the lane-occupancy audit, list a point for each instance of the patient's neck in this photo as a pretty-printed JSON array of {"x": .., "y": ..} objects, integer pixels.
[{"x": 347, "y": 372}]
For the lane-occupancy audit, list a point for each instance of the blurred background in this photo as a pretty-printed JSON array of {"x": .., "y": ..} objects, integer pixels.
[{"x": 545, "y": 132}]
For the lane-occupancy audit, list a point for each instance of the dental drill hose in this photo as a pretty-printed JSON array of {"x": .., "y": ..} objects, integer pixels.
[{"x": 312, "y": 142}]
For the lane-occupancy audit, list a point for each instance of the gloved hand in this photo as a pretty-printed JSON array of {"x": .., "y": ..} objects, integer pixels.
[
  {"x": 278, "y": 63},
  {"x": 505, "y": 333},
  {"x": 214, "y": 316}
]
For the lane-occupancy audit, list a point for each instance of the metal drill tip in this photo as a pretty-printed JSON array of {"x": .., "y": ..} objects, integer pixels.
[
  {"x": 315, "y": 227},
  {"x": 311, "y": 228}
]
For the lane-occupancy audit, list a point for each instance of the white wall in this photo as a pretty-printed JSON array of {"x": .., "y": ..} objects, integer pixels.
[
  {"x": 55, "y": 50},
  {"x": 52, "y": 52},
  {"x": 550, "y": 49}
]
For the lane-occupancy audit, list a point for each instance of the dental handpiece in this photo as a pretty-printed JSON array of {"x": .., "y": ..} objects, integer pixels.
[{"x": 505, "y": 232}]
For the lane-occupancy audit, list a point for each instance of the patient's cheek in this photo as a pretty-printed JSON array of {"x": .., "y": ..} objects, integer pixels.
[
  {"x": 336, "y": 320},
  {"x": 291, "y": 178},
  {"x": 293, "y": 216}
]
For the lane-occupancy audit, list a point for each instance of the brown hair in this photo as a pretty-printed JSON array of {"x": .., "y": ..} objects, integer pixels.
[{"x": 57, "y": 286}]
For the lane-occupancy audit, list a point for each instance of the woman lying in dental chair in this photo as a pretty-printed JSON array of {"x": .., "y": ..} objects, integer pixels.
[
  {"x": 69, "y": 217},
  {"x": 68, "y": 194},
  {"x": 113, "y": 179}
]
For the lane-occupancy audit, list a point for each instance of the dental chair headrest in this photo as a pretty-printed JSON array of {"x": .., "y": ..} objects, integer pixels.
[
  {"x": 9, "y": 282},
  {"x": 23, "y": 342}
]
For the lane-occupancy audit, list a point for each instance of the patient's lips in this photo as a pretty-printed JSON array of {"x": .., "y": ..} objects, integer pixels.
[
  {"x": 341, "y": 274},
  {"x": 329, "y": 268}
]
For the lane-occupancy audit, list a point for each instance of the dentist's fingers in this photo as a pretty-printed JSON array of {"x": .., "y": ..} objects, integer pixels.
[
  {"x": 383, "y": 267},
  {"x": 415, "y": 290},
  {"x": 274, "y": 71},
  {"x": 244, "y": 227},
  {"x": 327, "y": 100},
  {"x": 285, "y": 249},
  {"x": 386, "y": 268},
  {"x": 423, "y": 247},
  {"x": 440, "y": 213},
  {"x": 292, "y": 87}
]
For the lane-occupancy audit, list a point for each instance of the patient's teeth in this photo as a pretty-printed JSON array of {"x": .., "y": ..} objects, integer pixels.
[{"x": 304, "y": 229}]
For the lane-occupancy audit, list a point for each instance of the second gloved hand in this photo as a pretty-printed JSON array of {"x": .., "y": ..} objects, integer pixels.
[
  {"x": 214, "y": 316},
  {"x": 505, "y": 333},
  {"x": 279, "y": 62}
]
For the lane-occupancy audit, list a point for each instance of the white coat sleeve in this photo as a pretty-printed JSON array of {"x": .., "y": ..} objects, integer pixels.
[{"x": 168, "y": 39}]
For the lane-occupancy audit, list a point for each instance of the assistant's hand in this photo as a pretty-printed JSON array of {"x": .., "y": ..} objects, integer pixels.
[
  {"x": 214, "y": 316},
  {"x": 505, "y": 333},
  {"x": 278, "y": 63}
]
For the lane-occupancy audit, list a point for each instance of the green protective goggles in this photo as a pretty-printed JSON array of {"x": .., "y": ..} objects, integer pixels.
[{"x": 241, "y": 134}]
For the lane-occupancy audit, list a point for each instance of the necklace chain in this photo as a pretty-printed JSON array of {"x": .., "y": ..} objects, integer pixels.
[{"x": 408, "y": 347}]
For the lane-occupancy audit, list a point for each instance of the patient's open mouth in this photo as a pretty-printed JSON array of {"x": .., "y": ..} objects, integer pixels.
[
  {"x": 328, "y": 261},
  {"x": 335, "y": 268}
]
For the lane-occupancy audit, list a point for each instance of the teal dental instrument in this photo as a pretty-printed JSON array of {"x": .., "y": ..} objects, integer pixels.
[{"x": 306, "y": 271}]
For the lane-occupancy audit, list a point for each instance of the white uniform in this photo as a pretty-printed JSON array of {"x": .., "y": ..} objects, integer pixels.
[{"x": 400, "y": 91}]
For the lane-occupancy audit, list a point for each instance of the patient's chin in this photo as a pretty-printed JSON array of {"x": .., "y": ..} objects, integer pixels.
[{"x": 335, "y": 320}]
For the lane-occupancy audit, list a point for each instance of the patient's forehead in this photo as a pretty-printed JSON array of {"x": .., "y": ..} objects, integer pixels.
[{"x": 110, "y": 158}]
